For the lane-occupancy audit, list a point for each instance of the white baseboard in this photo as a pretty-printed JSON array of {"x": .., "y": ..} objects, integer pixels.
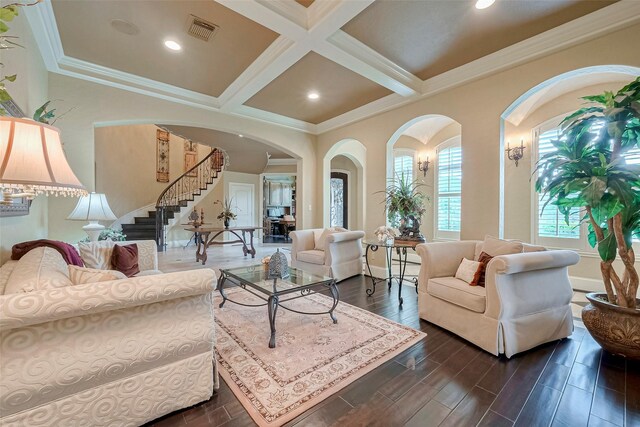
[{"x": 586, "y": 284}]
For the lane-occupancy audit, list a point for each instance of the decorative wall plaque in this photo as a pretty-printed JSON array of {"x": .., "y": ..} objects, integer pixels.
[
  {"x": 162, "y": 156},
  {"x": 190, "y": 156}
]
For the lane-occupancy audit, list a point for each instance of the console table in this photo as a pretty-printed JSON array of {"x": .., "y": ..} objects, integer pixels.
[{"x": 205, "y": 237}]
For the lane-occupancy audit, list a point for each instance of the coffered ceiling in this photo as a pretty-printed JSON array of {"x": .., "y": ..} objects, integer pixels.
[
  {"x": 340, "y": 90},
  {"x": 360, "y": 56},
  {"x": 428, "y": 38}
]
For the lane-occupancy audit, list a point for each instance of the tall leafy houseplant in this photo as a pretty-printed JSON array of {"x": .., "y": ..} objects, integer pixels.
[
  {"x": 588, "y": 171},
  {"x": 405, "y": 206}
]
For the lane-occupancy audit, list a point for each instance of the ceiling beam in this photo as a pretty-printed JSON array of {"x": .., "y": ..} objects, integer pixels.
[{"x": 323, "y": 21}]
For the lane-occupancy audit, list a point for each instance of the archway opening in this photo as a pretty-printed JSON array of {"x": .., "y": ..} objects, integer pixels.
[
  {"x": 427, "y": 150},
  {"x": 532, "y": 121},
  {"x": 348, "y": 158}
]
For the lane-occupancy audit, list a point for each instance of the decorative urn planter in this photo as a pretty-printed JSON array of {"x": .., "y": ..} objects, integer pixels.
[
  {"x": 616, "y": 329},
  {"x": 226, "y": 223}
]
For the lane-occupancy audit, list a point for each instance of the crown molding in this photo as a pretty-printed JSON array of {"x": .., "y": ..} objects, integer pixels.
[
  {"x": 282, "y": 162},
  {"x": 356, "y": 56},
  {"x": 110, "y": 75},
  {"x": 267, "y": 67},
  {"x": 292, "y": 10},
  {"x": 273, "y": 118},
  {"x": 271, "y": 16}
]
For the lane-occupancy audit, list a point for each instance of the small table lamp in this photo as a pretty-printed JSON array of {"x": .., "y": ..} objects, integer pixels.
[{"x": 92, "y": 208}]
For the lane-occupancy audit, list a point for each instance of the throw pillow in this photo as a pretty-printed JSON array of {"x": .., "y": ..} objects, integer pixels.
[
  {"x": 494, "y": 246},
  {"x": 80, "y": 275},
  {"x": 96, "y": 254},
  {"x": 478, "y": 278},
  {"x": 124, "y": 258},
  {"x": 39, "y": 269},
  {"x": 467, "y": 270},
  {"x": 321, "y": 243}
]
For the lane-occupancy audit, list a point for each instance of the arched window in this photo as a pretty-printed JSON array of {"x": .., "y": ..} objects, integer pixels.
[
  {"x": 448, "y": 192},
  {"x": 403, "y": 163},
  {"x": 550, "y": 226}
]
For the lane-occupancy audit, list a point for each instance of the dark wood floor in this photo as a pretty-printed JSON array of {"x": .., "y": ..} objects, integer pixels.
[{"x": 445, "y": 381}]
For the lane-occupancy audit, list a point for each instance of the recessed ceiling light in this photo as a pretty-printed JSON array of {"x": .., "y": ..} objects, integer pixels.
[
  {"x": 313, "y": 95},
  {"x": 241, "y": 135},
  {"x": 173, "y": 45},
  {"x": 483, "y": 4}
]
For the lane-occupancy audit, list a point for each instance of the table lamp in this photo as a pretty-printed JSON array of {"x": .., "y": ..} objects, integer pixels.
[{"x": 92, "y": 208}]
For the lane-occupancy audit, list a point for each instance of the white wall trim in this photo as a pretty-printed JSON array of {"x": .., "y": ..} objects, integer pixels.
[
  {"x": 586, "y": 284},
  {"x": 282, "y": 162}
]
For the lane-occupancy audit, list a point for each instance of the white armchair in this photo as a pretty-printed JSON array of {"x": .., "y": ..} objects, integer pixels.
[
  {"x": 525, "y": 301},
  {"x": 340, "y": 256}
]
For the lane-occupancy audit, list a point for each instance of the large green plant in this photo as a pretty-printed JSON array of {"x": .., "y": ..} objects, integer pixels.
[
  {"x": 588, "y": 171},
  {"x": 402, "y": 198}
]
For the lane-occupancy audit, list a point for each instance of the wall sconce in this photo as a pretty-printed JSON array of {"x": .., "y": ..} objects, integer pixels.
[
  {"x": 423, "y": 166},
  {"x": 518, "y": 152}
]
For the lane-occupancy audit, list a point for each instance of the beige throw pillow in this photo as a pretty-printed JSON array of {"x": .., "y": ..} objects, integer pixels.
[
  {"x": 321, "y": 241},
  {"x": 467, "y": 270},
  {"x": 80, "y": 275},
  {"x": 40, "y": 268},
  {"x": 494, "y": 246}
]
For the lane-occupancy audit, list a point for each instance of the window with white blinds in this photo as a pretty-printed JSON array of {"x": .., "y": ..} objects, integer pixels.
[
  {"x": 403, "y": 166},
  {"x": 551, "y": 223},
  {"x": 449, "y": 188}
]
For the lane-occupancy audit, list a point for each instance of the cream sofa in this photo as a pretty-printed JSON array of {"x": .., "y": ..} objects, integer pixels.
[
  {"x": 525, "y": 302},
  {"x": 120, "y": 352},
  {"x": 339, "y": 257}
]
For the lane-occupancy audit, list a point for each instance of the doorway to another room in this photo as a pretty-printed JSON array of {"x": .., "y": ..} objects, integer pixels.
[
  {"x": 279, "y": 207},
  {"x": 339, "y": 199}
]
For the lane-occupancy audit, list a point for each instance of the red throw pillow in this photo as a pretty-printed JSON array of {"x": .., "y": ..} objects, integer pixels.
[
  {"x": 478, "y": 278},
  {"x": 125, "y": 259}
]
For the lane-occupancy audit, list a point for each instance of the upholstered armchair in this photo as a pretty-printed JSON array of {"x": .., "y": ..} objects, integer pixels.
[
  {"x": 525, "y": 301},
  {"x": 333, "y": 252}
]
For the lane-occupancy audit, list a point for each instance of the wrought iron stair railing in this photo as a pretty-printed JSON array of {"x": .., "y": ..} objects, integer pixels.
[{"x": 184, "y": 190}]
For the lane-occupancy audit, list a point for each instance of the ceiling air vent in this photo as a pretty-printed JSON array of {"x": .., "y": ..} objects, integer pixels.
[{"x": 201, "y": 29}]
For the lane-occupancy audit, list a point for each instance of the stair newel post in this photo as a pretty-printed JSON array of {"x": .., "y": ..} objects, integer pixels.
[{"x": 160, "y": 228}]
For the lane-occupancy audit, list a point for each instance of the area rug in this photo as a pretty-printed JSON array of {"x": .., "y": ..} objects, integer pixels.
[{"x": 313, "y": 359}]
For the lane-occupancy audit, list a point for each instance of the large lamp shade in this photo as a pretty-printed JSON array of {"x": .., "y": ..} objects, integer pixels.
[
  {"x": 32, "y": 159},
  {"x": 93, "y": 208}
]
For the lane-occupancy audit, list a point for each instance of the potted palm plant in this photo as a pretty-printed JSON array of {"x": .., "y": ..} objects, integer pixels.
[
  {"x": 405, "y": 206},
  {"x": 589, "y": 171}
]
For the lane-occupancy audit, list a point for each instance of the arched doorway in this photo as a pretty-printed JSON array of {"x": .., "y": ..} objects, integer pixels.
[{"x": 350, "y": 158}]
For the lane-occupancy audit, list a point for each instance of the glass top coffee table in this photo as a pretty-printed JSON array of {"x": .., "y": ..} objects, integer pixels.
[{"x": 274, "y": 292}]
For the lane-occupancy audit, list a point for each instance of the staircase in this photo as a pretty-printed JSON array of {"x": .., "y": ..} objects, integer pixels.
[
  {"x": 144, "y": 227},
  {"x": 181, "y": 194}
]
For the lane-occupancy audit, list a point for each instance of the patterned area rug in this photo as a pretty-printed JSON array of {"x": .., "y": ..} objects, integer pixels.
[{"x": 313, "y": 358}]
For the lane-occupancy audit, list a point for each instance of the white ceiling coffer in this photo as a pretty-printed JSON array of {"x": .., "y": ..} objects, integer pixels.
[{"x": 200, "y": 28}]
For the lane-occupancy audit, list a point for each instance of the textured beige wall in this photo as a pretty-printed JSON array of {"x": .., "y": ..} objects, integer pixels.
[
  {"x": 29, "y": 91},
  {"x": 477, "y": 107},
  {"x": 99, "y": 105},
  {"x": 125, "y": 163}
]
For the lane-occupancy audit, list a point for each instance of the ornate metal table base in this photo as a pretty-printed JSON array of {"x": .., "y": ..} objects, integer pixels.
[
  {"x": 274, "y": 301},
  {"x": 204, "y": 241},
  {"x": 401, "y": 251}
]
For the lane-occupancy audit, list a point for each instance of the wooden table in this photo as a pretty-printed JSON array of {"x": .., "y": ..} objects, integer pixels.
[{"x": 205, "y": 236}]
